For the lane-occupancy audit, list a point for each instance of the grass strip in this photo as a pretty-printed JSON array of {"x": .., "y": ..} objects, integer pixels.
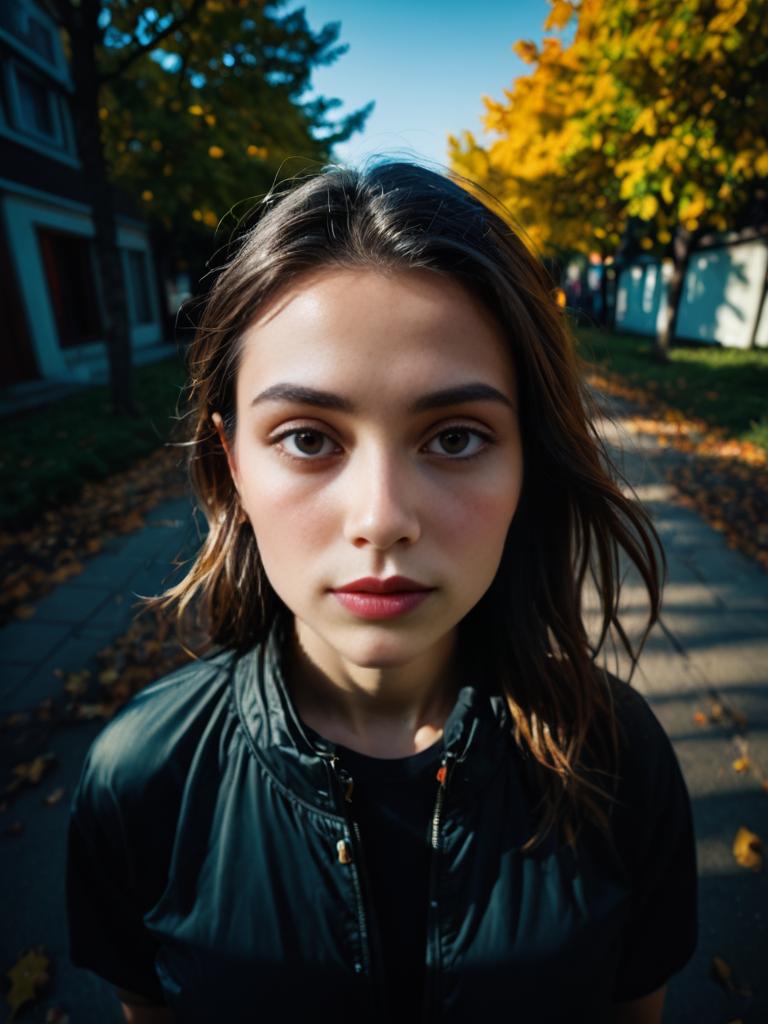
[
  {"x": 52, "y": 451},
  {"x": 726, "y": 388}
]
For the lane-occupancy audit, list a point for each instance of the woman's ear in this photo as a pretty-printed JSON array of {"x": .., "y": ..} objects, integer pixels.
[{"x": 218, "y": 423}]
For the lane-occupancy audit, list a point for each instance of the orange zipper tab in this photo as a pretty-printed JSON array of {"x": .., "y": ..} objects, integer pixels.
[{"x": 442, "y": 773}]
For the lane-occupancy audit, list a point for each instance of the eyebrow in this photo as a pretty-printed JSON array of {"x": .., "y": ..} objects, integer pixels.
[{"x": 302, "y": 395}]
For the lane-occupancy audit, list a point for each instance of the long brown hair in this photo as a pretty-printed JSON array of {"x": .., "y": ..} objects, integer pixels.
[{"x": 527, "y": 633}]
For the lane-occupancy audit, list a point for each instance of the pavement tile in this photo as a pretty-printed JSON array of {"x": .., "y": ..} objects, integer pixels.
[
  {"x": 116, "y": 614},
  {"x": 108, "y": 570},
  {"x": 28, "y": 642},
  {"x": 71, "y": 604},
  {"x": 152, "y": 579},
  {"x": 72, "y": 656},
  {"x": 12, "y": 679}
]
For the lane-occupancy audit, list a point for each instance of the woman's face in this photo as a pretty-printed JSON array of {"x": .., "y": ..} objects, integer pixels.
[{"x": 377, "y": 436}]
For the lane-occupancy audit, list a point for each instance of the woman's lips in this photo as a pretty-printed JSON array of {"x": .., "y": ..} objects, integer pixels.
[{"x": 380, "y": 606}]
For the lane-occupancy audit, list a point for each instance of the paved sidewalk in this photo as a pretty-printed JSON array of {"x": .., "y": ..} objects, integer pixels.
[
  {"x": 711, "y": 645},
  {"x": 714, "y": 637},
  {"x": 87, "y": 612},
  {"x": 70, "y": 626}
]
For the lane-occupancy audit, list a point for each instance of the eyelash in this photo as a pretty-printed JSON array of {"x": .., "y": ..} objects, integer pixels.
[{"x": 488, "y": 440}]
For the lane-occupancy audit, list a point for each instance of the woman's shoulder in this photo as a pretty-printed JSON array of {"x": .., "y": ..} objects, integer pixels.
[
  {"x": 155, "y": 734},
  {"x": 643, "y": 740},
  {"x": 651, "y": 785}
]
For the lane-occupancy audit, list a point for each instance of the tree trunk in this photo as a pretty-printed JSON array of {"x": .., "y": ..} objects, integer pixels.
[
  {"x": 759, "y": 312},
  {"x": 85, "y": 39},
  {"x": 681, "y": 250}
]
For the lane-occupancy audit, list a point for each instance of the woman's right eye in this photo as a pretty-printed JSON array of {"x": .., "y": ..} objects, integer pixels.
[{"x": 305, "y": 444}]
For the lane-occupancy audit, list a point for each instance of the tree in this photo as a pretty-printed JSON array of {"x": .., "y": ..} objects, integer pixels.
[
  {"x": 183, "y": 102},
  {"x": 655, "y": 115}
]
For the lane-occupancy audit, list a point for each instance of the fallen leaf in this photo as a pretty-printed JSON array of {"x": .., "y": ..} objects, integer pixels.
[
  {"x": 741, "y": 764},
  {"x": 748, "y": 849},
  {"x": 13, "y": 721},
  {"x": 739, "y": 719},
  {"x": 721, "y": 972},
  {"x": 54, "y": 796},
  {"x": 700, "y": 718},
  {"x": 29, "y": 976},
  {"x": 108, "y": 676},
  {"x": 33, "y": 771},
  {"x": 76, "y": 683},
  {"x": 715, "y": 711},
  {"x": 88, "y": 711}
]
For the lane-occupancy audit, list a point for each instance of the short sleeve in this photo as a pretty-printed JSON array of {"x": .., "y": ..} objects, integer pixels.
[
  {"x": 106, "y": 932},
  {"x": 654, "y": 829}
]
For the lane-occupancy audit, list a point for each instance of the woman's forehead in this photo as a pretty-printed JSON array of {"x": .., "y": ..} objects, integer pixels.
[{"x": 414, "y": 328}]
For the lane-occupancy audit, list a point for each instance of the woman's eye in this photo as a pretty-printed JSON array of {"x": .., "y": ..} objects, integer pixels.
[
  {"x": 459, "y": 441},
  {"x": 305, "y": 443}
]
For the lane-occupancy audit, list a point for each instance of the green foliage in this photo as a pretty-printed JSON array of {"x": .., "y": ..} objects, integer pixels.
[
  {"x": 52, "y": 451},
  {"x": 213, "y": 115},
  {"x": 724, "y": 387}
]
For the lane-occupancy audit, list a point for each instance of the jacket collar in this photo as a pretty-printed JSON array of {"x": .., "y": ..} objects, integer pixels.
[{"x": 477, "y": 733}]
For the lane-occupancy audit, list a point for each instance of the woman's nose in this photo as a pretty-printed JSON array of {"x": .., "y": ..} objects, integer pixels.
[{"x": 380, "y": 501}]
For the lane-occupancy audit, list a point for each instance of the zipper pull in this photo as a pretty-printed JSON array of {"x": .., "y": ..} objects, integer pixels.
[
  {"x": 445, "y": 766},
  {"x": 344, "y": 852},
  {"x": 347, "y": 782}
]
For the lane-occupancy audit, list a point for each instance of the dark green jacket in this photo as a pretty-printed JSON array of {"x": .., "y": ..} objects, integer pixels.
[{"x": 213, "y": 865}]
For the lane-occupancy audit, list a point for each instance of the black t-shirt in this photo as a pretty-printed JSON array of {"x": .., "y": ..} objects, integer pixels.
[{"x": 393, "y": 801}]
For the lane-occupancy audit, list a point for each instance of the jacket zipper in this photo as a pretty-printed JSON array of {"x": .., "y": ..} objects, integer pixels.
[
  {"x": 360, "y": 876},
  {"x": 433, "y": 935}
]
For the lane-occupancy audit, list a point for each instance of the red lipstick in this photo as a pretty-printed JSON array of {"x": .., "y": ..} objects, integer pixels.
[{"x": 372, "y": 598}]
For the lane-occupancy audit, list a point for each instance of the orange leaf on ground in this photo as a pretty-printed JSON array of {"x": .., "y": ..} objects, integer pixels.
[
  {"x": 29, "y": 977},
  {"x": 741, "y": 764},
  {"x": 54, "y": 796},
  {"x": 76, "y": 683},
  {"x": 748, "y": 849},
  {"x": 721, "y": 972},
  {"x": 700, "y": 718},
  {"x": 33, "y": 771}
]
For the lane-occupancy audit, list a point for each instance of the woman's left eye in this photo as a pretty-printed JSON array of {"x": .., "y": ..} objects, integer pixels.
[{"x": 462, "y": 442}]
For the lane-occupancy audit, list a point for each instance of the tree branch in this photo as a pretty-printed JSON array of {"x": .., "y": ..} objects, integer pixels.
[{"x": 139, "y": 51}]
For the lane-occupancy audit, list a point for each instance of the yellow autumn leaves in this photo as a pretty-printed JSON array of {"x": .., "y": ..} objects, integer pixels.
[{"x": 660, "y": 113}]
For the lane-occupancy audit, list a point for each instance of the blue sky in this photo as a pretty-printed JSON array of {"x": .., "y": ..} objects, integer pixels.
[{"x": 426, "y": 64}]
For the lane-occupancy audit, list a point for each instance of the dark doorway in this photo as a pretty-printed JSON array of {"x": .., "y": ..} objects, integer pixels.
[
  {"x": 69, "y": 270},
  {"x": 19, "y": 362}
]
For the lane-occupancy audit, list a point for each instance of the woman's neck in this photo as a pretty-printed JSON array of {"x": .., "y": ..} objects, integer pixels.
[{"x": 387, "y": 712}]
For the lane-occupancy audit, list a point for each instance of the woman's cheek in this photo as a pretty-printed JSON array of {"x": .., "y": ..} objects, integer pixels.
[
  {"x": 479, "y": 518},
  {"x": 287, "y": 508}
]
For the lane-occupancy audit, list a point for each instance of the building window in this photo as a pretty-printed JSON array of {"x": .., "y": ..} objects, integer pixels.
[
  {"x": 40, "y": 40},
  {"x": 68, "y": 264},
  {"x": 35, "y": 105},
  {"x": 139, "y": 288}
]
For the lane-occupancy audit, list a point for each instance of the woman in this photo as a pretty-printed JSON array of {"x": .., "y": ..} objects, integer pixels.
[{"x": 398, "y": 785}]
